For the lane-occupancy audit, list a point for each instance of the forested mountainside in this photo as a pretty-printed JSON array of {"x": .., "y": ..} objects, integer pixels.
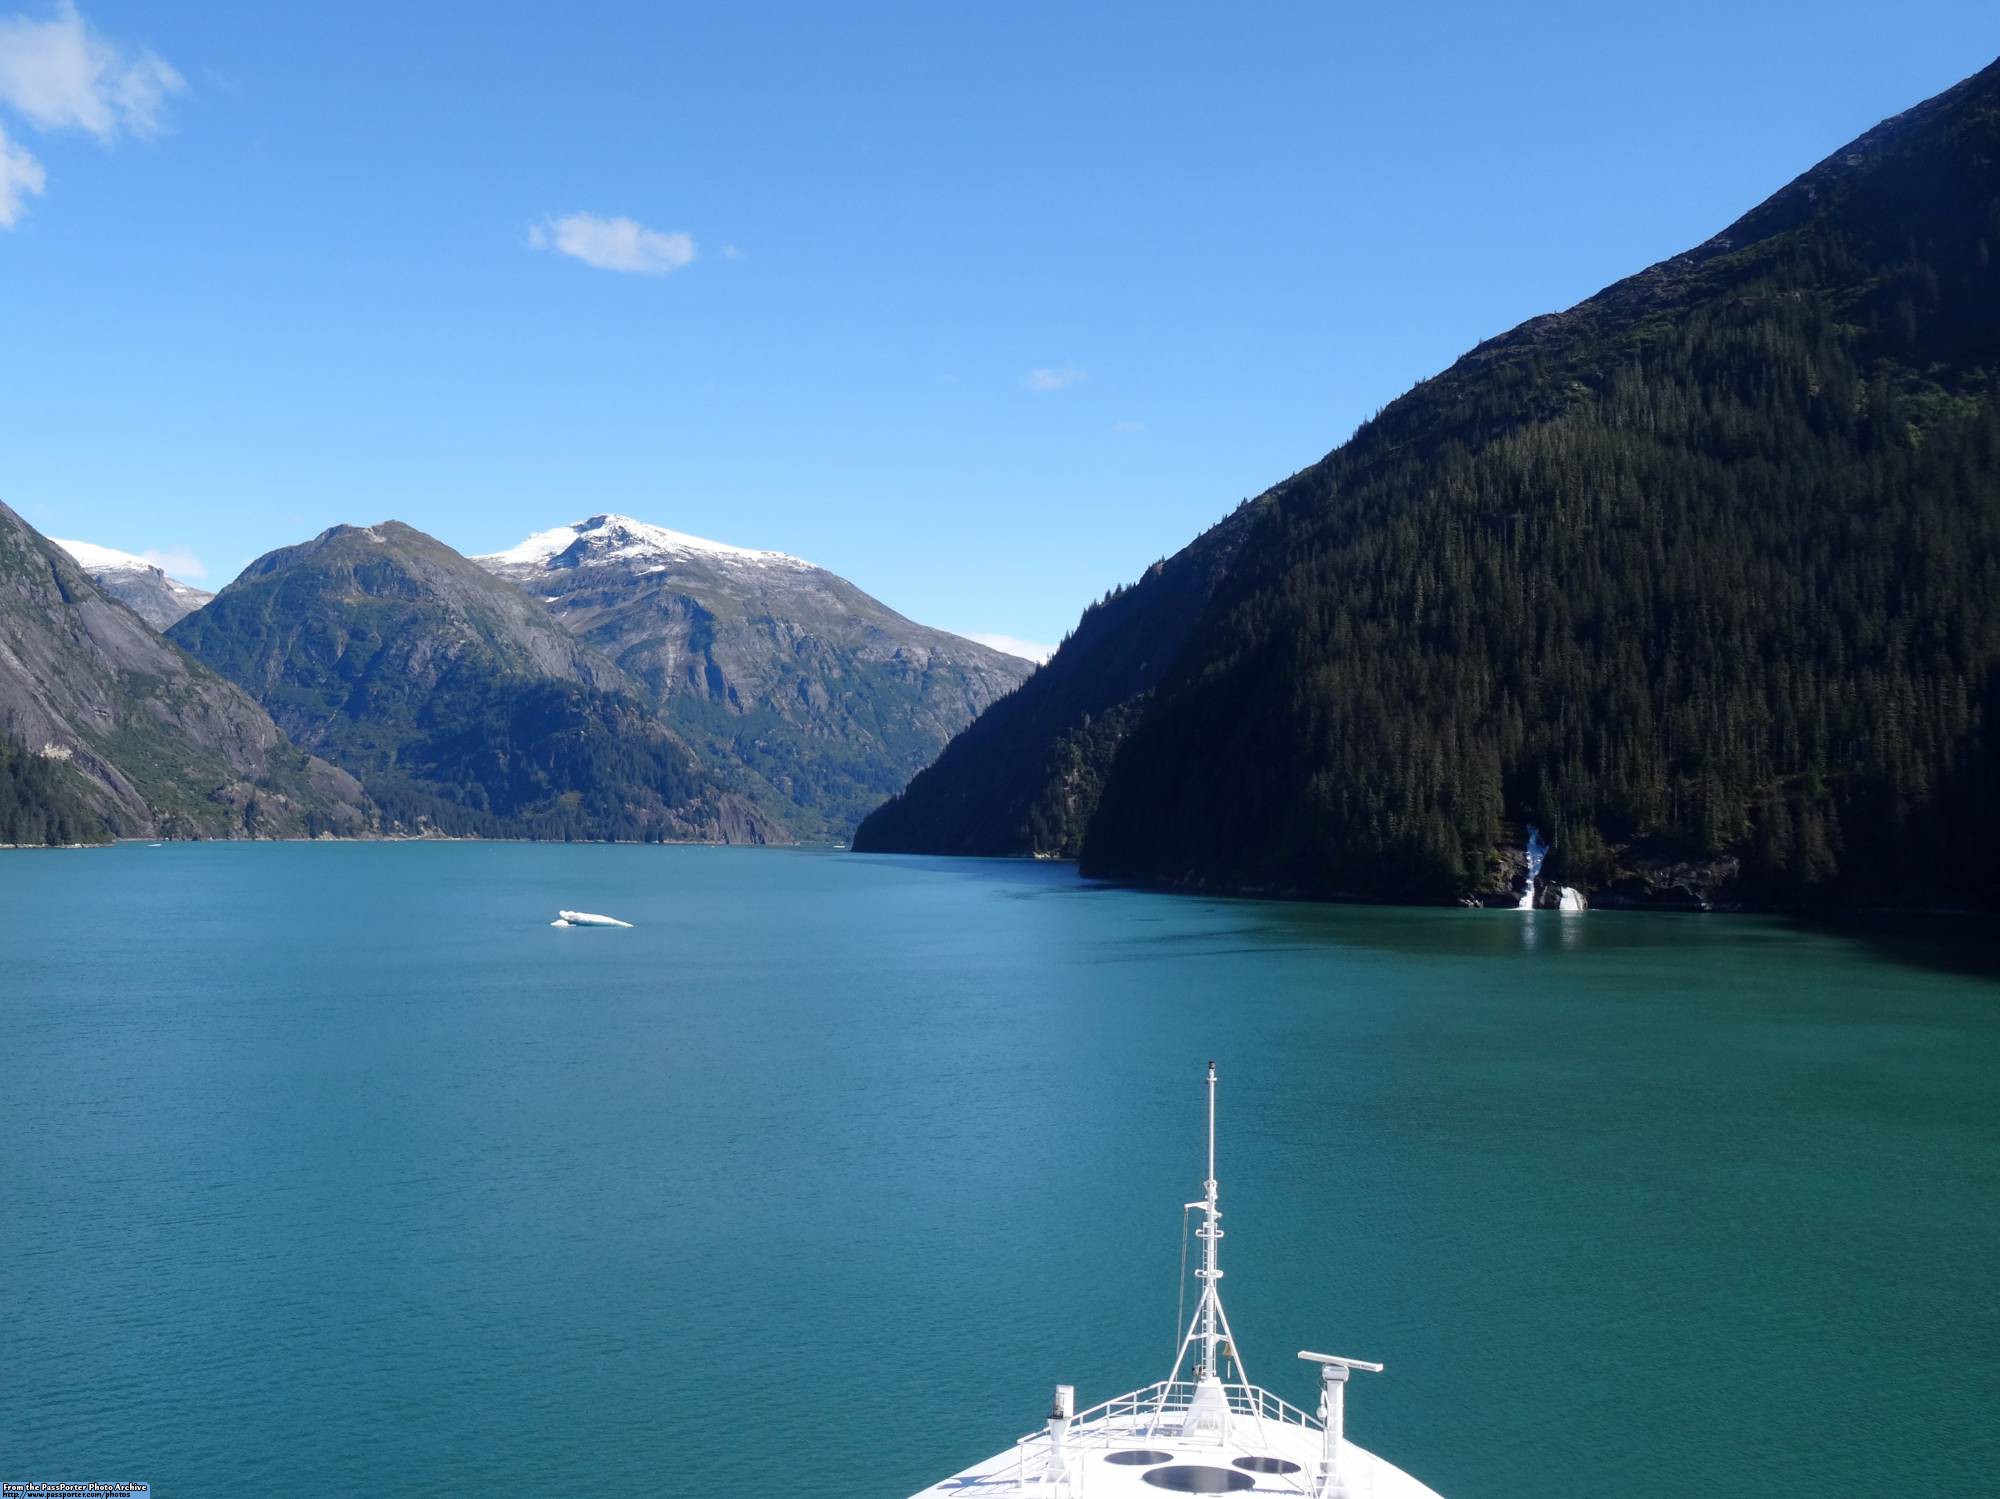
[
  {"x": 827, "y": 699},
  {"x": 461, "y": 704},
  {"x": 1025, "y": 777},
  {"x": 1705, "y": 570},
  {"x": 41, "y": 805},
  {"x": 106, "y": 728}
]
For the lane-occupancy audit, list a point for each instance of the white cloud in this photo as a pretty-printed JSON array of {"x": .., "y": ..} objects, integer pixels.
[
  {"x": 1013, "y": 645},
  {"x": 613, "y": 244},
  {"x": 1051, "y": 379},
  {"x": 176, "y": 562},
  {"x": 21, "y": 178},
  {"x": 61, "y": 75},
  {"x": 1128, "y": 426}
]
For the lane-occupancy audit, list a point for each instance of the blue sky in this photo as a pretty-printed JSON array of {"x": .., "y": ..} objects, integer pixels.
[{"x": 984, "y": 307}]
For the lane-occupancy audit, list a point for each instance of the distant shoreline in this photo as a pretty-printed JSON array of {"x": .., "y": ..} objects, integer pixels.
[
  {"x": 418, "y": 838},
  {"x": 1817, "y": 914}
]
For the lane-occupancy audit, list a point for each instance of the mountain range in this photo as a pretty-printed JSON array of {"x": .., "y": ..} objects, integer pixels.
[
  {"x": 106, "y": 728},
  {"x": 458, "y": 700},
  {"x": 1700, "y": 577},
  {"x": 606, "y": 679}
]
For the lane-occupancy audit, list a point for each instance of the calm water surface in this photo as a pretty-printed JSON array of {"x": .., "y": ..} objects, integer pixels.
[{"x": 335, "y": 1167}]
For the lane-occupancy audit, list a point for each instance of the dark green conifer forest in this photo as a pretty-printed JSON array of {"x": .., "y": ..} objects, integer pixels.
[
  {"x": 530, "y": 759},
  {"x": 1706, "y": 568},
  {"x": 39, "y": 808}
]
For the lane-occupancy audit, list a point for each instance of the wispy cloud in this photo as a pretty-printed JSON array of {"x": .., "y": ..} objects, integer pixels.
[
  {"x": 1128, "y": 426},
  {"x": 614, "y": 244},
  {"x": 60, "y": 74},
  {"x": 1013, "y": 645},
  {"x": 21, "y": 178},
  {"x": 176, "y": 561},
  {"x": 1051, "y": 379}
]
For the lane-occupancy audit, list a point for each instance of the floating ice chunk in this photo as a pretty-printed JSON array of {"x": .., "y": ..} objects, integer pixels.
[{"x": 586, "y": 918}]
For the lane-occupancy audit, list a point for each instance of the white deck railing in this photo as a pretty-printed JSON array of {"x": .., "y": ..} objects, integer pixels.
[{"x": 1144, "y": 1412}]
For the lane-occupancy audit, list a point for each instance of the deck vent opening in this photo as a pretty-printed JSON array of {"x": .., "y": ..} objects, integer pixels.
[
  {"x": 1266, "y": 1465},
  {"x": 1190, "y": 1478}
]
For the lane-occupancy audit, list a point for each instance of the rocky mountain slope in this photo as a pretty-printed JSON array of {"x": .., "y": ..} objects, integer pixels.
[
  {"x": 456, "y": 698},
  {"x": 826, "y": 697},
  {"x": 1702, "y": 577},
  {"x": 143, "y": 588},
  {"x": 135, "y": 737}
]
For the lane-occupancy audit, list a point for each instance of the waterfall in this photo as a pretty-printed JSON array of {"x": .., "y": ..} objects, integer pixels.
[
  {"x": 1572, "y": 899},
  {"x": 1537, "y": 851}
]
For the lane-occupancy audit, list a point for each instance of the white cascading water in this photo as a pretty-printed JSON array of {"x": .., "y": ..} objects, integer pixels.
[{"x": 1537, "y": 851}]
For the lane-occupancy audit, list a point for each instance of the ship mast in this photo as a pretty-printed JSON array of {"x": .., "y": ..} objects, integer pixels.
[
  {"x": 1209, "y": 1326},
  {"x": 1210, "y": 1233}
]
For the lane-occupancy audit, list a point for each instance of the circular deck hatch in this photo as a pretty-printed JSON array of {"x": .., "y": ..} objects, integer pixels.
[
  {"x": 1266, "y": 1465},
  {"x": 1138, "y": 1459},
  {"x": 1190, "y": 1478}
]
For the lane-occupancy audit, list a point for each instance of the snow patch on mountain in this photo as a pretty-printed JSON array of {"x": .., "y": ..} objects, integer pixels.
[
  {"x": 605, "y": 539},
  {"x": 93, "y": 558},
  {"x": 138, "y": 583}
]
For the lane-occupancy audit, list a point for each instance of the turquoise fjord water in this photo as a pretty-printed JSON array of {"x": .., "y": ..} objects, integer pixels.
[{"x": 336, "y": 1169}]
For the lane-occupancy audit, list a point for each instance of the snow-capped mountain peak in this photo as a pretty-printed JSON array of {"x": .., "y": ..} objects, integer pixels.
[
  {"x": 604, "y": 539},
  {"x": 92, "y": 558},
  {"x": 141, "y": 585},
  {"x": 818, "y": 695}
]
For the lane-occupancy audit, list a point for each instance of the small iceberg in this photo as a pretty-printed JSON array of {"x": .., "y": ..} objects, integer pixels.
[{"x": 586, "y": 918}]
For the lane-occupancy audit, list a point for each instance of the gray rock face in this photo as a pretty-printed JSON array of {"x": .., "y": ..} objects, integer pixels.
[
  {"x": 161, "y": 744},
  {"x": 1667, "y": 884},
  {"x": 141, "y": 587},
  {"x": 827, "y": 697}
]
